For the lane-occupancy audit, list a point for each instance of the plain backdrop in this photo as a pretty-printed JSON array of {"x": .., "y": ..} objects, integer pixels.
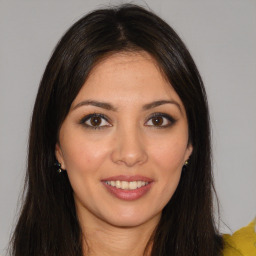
[{"x": 221, "y": 36}]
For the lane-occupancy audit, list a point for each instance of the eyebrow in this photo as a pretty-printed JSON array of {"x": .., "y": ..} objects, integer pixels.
[
  {"x": 159, "y": 103},
  {"x": 108, "y": 106}
]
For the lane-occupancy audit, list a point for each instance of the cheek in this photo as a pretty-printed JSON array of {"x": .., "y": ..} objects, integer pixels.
[
  {"x": 168, "y": 159},
  {"x": 83, "y": 160},
  {"x": 83, "y": 155},
  {"x": 170, "y": 156}
]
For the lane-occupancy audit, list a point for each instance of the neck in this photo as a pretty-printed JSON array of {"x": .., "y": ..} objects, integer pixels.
[{"x": 103, "y": 239}]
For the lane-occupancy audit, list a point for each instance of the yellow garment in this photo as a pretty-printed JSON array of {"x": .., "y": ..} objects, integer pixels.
[{"x": 242, "y": 242}]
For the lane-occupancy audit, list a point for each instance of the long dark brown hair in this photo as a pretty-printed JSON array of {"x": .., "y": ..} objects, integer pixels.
[{"x": 48, "y": 224}]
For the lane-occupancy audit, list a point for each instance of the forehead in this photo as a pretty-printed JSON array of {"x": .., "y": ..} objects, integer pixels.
[
  {"x": 125, "y": 77},
  {"x": 119, "y": 64}
]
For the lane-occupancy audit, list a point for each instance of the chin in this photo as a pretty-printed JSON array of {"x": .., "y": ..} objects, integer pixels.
[{"x": 127, "y": 219}]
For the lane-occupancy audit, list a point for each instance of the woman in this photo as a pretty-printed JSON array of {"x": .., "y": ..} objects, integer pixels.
[{"x": 119, "y": 153}]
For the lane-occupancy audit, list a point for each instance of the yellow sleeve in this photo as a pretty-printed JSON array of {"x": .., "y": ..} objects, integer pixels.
[{"x": 242, "y": 242}]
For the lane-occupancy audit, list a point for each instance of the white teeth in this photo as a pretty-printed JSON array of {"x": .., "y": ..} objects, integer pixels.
[
  {"x": 126, "y": 185},
  {"x": 118, "y": 184},
  {"x": 132, "y": 185}
]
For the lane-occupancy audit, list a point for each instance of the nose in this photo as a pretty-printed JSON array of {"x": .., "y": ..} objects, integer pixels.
[{"x": 129, "y": 147}]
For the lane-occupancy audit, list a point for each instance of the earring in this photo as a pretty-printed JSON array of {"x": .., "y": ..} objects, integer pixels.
[
  {"x": 184, "y": 168},
  {"x": 58, "y": 165}
]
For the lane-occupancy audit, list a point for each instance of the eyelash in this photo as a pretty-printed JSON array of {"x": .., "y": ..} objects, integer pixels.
[
  {"x": 83, "y": 121},
  {"x": 86, "y": 118}
]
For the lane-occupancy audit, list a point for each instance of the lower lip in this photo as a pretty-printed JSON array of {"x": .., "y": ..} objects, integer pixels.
[{"x": 126, "y": 194}]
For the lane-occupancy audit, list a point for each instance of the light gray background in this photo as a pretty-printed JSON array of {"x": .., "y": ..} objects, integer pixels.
[{"x": 221, "y": 36}]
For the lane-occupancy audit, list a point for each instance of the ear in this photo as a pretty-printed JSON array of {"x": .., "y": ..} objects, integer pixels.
[
  {"x": 188, "y": 151},
  {"x": 59, "y": 156}
]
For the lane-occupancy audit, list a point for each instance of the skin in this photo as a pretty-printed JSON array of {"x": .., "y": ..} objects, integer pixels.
[{"x": 129, "y": 143}]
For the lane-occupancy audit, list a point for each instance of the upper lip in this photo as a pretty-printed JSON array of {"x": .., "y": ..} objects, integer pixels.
[{"x": 128, "y": 178}]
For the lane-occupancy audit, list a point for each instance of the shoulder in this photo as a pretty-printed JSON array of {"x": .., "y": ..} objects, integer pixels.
[{"x": 242, "y": 242}]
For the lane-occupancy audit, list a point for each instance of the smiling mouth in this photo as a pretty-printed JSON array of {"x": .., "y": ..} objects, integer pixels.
[{"x": 127, "y": 185}]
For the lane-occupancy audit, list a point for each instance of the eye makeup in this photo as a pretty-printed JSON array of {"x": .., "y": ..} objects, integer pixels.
[
  {"x": 95, "y": 120},
  {"x": 165, "y": 120},
  {"x": 100, "y": 121}
]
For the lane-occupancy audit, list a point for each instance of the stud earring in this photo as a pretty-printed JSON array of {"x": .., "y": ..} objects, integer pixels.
[
  {"x": 58, "y": 165},
  {"x": 184, "y": 168}
]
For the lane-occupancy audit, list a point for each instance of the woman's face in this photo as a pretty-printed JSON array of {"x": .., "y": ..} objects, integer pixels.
[{"x": 124, "y": 142}]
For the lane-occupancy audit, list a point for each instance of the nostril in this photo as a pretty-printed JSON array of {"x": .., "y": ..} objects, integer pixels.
[
  {"x": 129, "y": 148},
  {"x": 129, "y": 158}
]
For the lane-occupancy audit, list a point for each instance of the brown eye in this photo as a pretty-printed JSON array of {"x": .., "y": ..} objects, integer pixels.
[
  {"x": 160, "y": 120},
  {"x": 95, "y": 121},
  {"x": 157, "y": 121}
]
